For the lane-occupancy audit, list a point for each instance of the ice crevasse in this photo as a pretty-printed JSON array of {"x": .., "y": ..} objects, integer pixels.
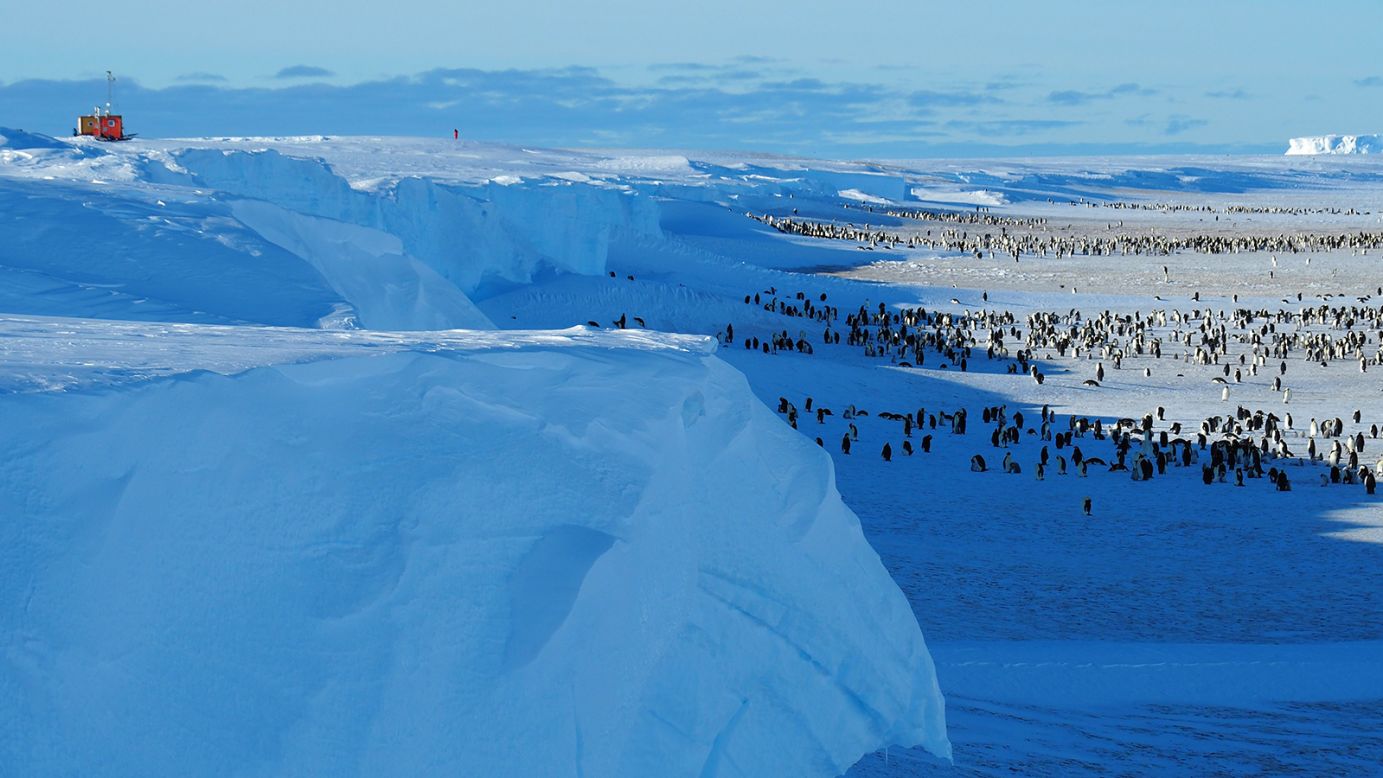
[{"x": 497, "y": 561}]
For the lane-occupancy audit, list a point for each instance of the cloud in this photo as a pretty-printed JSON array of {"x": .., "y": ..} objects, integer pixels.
[
  {"x": 303, "y": 71},
  {"x": 576, "y": 106},
  {"x": 1005, "y": 83},
  {"x": 1005, "y": 127},
  {"x": 1076, "y": 97},
  {"x": 710, "y": 75},
  {"x": 1169, "y": 126},
  {"x": 206, "y": 77},
  {"x": 1178, "y": 124},
  {"x": 699, "y": 67},
  {"x": 929, "y": 98},
  {"x": 1228, "y": 94},
  {"x": 1369, "y": 81},
  {"x": 1131, "y": 89}
]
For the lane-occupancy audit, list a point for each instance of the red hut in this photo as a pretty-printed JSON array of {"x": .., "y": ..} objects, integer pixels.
[{"x": 103, "y": 125}]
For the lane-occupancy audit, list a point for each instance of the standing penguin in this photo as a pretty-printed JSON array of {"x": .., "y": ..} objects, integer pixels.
[
  {"x": 1085, "y": 506},
  {"x": 887, "y": 453},
  {"x": 845, "y": 443}
]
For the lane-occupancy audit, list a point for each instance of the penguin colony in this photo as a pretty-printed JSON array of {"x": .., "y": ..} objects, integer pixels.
[
  {"x": 1251, "y": 348},
  {"x": 983, "y": 215},
  {"x": 1249, "y": 443},
  {"x": 1041, "y": 243}
]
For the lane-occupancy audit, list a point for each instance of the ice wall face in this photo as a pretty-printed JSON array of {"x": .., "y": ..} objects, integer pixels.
[
  {"x": 1336, "y": 144},
  {"x": 501, "y": 562},
  {"x": 473, "y": 235},
  {"x": 98, "y": 251}
]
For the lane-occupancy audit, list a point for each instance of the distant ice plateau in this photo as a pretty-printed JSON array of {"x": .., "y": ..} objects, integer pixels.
[{"x": 1336, "y": 144}]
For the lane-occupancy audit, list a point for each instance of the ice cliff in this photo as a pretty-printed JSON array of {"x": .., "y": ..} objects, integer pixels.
[
  {"x": 1336, "y": 144},
  {"x": 565, "y": 553}
]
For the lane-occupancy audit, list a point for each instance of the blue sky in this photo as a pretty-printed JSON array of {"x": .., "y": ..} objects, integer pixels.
[{"x": 884, "y": 79}]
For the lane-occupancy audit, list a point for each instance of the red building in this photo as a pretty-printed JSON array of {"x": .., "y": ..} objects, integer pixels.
[{"x": 107, "y": 127}]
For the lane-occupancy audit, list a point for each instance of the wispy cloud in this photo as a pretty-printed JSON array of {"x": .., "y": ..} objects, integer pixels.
[
  {"x": 1003, "y": 127},
  {"x": 1369, "y": 81},
  {"x": 201, "y": 77},
  {"x": 1228, "y": 94},
  {"x": 1077, "y": 97},
  {"x": 303, "y": 71},
  {"x": 699, "y": 67},
  {"x": 1175, "y": 124},
  {"x": 1005, "y": 84},
  {"x": 928, "y": 98},
  {"x": 711, "y": 76}
]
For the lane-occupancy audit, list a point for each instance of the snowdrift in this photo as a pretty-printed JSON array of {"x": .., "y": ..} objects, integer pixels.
[
  {"x": 545, "y": 554},
  {"x": 19, "y": 139},
  {"x": 1336, "y": 144}
]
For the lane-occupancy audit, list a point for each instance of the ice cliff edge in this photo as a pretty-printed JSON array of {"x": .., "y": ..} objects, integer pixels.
[
  {"x": 503, "y": 561},
  {"x": 1336, "y": 144}
]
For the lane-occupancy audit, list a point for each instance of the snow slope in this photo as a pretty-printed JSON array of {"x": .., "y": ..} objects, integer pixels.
[
  {"x": 279, "y": 552},
  {"x": 1336, "y": 144}
]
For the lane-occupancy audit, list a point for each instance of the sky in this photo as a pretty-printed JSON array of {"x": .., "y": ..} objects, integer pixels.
[{"x": 886, "y": 79}]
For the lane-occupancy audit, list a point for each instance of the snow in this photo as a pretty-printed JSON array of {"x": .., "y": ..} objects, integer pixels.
[
  {"x": 388, "y": 289},
  {"x": 1336, "y": 144},
  {"x": 242, "y": 424},
  {"x": 975, "y": 197},
  {"x": 19, "y": 139},
  {"x": 862, "y": 197},
  {"x": 380, "y": 553}
]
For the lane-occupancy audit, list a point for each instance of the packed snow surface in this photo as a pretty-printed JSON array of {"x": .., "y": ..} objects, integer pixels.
[
  {"x": 1337, "y": 144},
  {"x": 279, "y": 515},
  {"x": 282, "y": 552}
]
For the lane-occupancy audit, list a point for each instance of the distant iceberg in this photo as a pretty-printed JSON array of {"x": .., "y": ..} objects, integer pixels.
[{"x": 1336, "y": 144}]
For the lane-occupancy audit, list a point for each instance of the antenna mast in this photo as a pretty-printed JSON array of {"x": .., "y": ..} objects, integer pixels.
[{"x": 110, "y": 89}]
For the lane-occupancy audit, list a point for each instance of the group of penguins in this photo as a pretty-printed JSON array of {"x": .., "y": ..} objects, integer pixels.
[
  {"x": 1276, "y": 210},
  {"x": 1041, "y": 243},
  {"x": 1319, "y": 334},
  {"x": 1250, "y": 444},
  {"x": 1238, "y": 342},
  {"x": 906, "y": 337},
  {"x": 1247, "y": 445}
]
